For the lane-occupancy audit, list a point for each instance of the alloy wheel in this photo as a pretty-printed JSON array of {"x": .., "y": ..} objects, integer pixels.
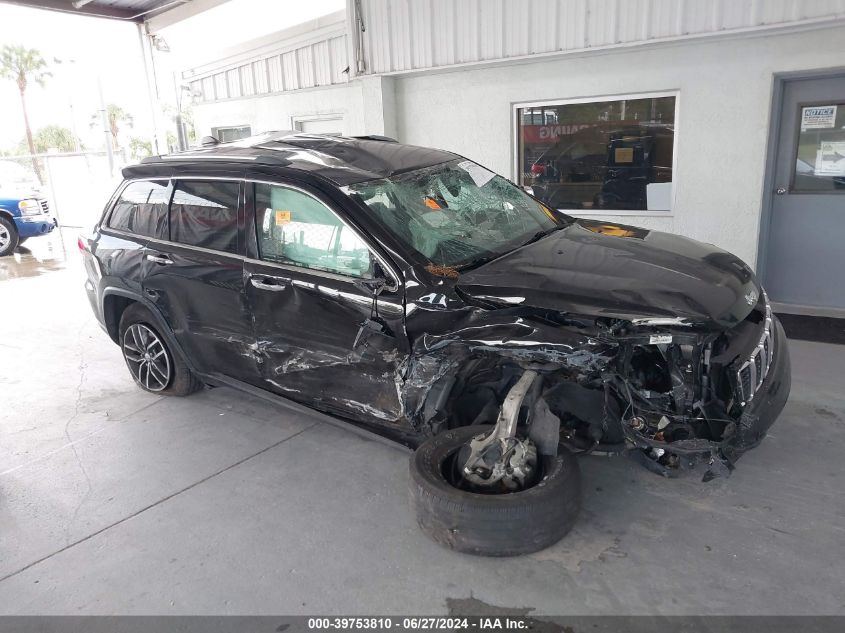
[
  {"x": 5, "y": 237},
  {"x": 147, "y": 357}
]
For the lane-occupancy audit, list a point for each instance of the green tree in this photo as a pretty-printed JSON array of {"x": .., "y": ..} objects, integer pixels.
[
  {"x": 140, "y": 148},
  {"x": 116, "y": 116},
  {"x": 23, "y": 65},
  {"x": 54, "y": 136},
  {"x": 187, "y": 119}
]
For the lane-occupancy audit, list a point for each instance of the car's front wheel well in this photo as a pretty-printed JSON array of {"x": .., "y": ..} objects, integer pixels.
[{"x": 113, "y": 308}]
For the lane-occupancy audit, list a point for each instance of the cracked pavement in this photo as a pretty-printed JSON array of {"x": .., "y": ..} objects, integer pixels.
[{"x": 115, "y": 501}]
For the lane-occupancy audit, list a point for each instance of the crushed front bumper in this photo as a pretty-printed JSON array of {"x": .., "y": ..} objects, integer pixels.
[
  {"x": 770, "y": 398},
  {"x": 740, "y": 436}
]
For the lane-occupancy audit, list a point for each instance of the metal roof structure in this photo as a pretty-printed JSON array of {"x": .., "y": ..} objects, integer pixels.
[{"x": 127, "y": 10}]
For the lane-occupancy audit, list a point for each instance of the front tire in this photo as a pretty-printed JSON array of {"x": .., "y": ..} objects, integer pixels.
[
  {"x": 492, "y": 524},
  {"x": 9, "y": 238},
  {"x": 151, "y": 361}
]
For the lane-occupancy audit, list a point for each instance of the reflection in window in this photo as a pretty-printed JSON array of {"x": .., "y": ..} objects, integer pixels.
[
  {"x": 142, "y": 209},
  {"x": 294, "y": 228},
  {"x": 820, "y": 162},
  {"x": 599, "y": 155},
  {"x": 205, "y": 213}
]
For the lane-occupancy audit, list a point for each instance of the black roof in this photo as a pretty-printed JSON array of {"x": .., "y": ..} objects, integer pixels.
[{"x": 342, "y": 159}]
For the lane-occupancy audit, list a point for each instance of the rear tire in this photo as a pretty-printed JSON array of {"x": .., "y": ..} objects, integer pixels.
[
  {"x": 151, "y": 361},
  {"x": 492, "y": 524},
  {"x": 9, "y": 238}
]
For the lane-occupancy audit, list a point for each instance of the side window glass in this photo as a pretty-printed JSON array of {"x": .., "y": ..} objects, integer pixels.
[
  {"x": 205, "y": 213},
  {"x": 142, "y": 209},
  {"x": 294, "y": 228}
]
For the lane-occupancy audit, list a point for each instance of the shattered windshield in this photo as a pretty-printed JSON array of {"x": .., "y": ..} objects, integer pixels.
[{"x": 457, "y": 213}]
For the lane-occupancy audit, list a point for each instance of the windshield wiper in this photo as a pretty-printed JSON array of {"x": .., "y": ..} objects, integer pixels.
[
  {"x": 475, "y": 263},
  {"x": 539, "y": 235}
]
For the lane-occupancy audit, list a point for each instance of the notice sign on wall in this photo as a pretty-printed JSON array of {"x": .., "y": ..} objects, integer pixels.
[{"x": 818, "y": 117}]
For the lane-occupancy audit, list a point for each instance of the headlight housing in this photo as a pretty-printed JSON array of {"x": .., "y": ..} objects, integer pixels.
[{"x": 30, "y": 206}]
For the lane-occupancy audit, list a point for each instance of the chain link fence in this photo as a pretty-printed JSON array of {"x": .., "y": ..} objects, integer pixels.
[{"x": 77, "y": 184}]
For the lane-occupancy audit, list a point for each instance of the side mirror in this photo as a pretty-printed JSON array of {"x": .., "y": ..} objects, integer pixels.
[{"x": 372, "y": 286}]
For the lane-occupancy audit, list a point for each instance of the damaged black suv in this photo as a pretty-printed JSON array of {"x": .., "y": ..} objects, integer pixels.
[{"x": 416, "y": 294}]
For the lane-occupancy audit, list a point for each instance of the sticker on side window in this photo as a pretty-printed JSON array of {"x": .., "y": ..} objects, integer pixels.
[
  {"x": 282, "y": 218},
  {"x": 479, "y": 175}
]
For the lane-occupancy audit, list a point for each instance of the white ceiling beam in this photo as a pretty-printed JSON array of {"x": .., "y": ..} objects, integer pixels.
[{"x": 180, "y": 13}]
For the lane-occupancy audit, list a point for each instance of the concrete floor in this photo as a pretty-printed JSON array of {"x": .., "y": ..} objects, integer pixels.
[{"x": 116, "y": 501}]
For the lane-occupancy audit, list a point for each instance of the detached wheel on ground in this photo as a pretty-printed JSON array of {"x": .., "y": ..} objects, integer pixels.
[
  {"x": 506, "y": 524},
  {"x": 9, "y": 239},
  {"x": 153, "y": 365}
]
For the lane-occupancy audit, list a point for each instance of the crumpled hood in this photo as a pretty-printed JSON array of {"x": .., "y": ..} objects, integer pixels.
[{"x": 598, "y": 269}]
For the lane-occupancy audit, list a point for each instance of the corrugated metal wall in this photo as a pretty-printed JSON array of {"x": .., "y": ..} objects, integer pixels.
[
  {"x": 317, "y": 63},
  {"x": 405, "y": 35}
]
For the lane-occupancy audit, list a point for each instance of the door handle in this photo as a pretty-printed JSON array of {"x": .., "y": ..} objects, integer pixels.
[
  {"x": 164, "y": 260},
  {"x": 273, "y": 284},
  {"x": 780, "y": 191}
]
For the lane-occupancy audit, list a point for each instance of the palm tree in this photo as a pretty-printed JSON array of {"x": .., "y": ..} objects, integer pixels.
[
  {"x": 54, "y": 137},
  {"x": 23, "y": 65},
  {"x": 115, "y": 115}
]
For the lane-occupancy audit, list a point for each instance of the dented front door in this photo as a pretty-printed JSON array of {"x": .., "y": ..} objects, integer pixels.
[{"x": 308, "y": 311}]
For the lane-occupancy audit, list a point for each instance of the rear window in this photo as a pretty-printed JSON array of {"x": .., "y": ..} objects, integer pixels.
[
  {"x": 142, "y": 209},
  {"x": 205, "y": 213}
]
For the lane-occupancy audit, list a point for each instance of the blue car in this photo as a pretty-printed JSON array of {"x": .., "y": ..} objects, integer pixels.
[{"x": 24, "y": 211}]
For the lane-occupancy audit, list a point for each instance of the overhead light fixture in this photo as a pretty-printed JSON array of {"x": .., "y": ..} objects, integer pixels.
[
  {"x": 160, "y": 44},
  {"x": 78, "y": 4}
]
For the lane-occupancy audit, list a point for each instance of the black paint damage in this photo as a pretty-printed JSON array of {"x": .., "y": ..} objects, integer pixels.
[
  {"x": 643, "y": 340},
  {"x": 637, "y": 336}
]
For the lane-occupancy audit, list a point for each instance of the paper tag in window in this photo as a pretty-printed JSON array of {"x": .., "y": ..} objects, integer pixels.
[
  {"x": 818, "y": 117},
  {"x": 282, "y": 218},
  {"x": 830, "y": 159},
  {"x": 432, "y": 204},
  {"x": 660, "y": 339},
  {"x": 624, "y": 155},
  {"x": 479, "y": 175}
]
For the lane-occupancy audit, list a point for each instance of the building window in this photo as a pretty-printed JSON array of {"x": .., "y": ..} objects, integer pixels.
[
  {"x": 610, "y": 155},
  {"x": 820, "y": 160},
  {"x": 233, "y": 133},
  {"x": 331, "y": 124}
]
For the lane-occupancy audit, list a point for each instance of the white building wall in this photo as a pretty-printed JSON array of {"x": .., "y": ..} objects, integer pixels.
[
  {"x": 725, "y": 92},
  {"x": 366, "y": 106},
  {"x": 720, "y": 56}
]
